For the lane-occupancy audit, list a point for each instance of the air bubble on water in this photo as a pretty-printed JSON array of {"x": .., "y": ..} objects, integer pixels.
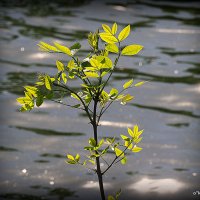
[
  {"x": 22, "y": 48},
  {"x": 176, "y": 71},
  {"x": 194, "y": 174},
  {"x": 24, "y": 171},
  {"x": 45, "y": 171},
  {"x": 51, "y": 182}
]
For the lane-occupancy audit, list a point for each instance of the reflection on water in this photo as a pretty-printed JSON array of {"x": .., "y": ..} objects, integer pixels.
[
  {"x": 33, "y": 145},
  {"x": 161, "y": 186}
]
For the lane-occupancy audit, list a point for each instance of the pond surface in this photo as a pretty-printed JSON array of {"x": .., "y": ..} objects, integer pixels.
[{"x": 33, "y": 145}]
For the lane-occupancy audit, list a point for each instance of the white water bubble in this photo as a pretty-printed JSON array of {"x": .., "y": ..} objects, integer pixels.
[
  {"x": 24, "y": 171},
  {"x": 22, "y": 49}
]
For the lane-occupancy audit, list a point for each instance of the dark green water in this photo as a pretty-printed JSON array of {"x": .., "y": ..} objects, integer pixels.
[{"x": 33, "y": 145}]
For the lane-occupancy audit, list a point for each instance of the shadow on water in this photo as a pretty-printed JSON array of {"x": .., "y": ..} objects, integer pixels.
[
  {"x": 146, "y": 23},
  {"x": 194, "y": 70},
  {"x": 50, "y": 155},
  {"x": 133, "y": 73},
  {"x": 36, "y": 31},
  {"x": 166, "y": 7},
  {"x": 49, "y": 132},
  {"x": 56, "y": 193},
  {"x": 179, "y": 125},
  {"x": 172, "y": 52},
  {"x": 3, "y": 148},
  {"x": 167, "y": 110},
  {"x": 187, "y": 21},
  {"x": 15, "y": 83}
]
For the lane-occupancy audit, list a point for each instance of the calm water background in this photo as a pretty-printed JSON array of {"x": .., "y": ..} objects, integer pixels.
[{"x": 33, "y": 145}]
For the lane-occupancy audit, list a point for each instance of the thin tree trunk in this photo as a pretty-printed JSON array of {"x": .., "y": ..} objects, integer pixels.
[{"x": 99, "y": 174}]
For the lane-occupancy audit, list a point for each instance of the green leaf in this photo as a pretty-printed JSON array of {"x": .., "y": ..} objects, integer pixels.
[
  {"x": 114, "y": 29},
  {"x": 110, "y": 197},
  {"x": 136, "y": 149},
  {"x": 124, "y": 160},
  {"x": 140, "y": 83},
  {"x": 64, "y": 49},
  {"x": 131, "y": 50},
  {"x": 60, "y": 65},
  {"x": 77, "y": 45},
  {"x": 64, "y": 77},
  {"x": 47, "y": 82},
  {"x": 110, "y": 39},
  {"x": 118, "y": 152},
  {"x": 124, "y": 33},
  {"x": 39, "y": 100},
  {"x": 112, "y": 48},
  {"x": 128, "y": 84},
  {"x": 106, "y": 28},
  {"x": 70, "y": 157},
  {"x": 92, "y": 142}
]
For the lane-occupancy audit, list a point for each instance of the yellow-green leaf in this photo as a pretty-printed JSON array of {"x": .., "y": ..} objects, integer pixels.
[
  {"x": 124, "y": 33},
  {"x": 114, "y": 29},
  {"x": 112, "y": 48},
  {"x": 32, "y": 90},
  {"x": 131, "y": 50},
  {"x": 124, "y": 160},
  {"x": 64, "y": 78},
  {"x": 110, "y": 39},
  {"x": 110, "y": 197},
  {"x": 70, "y": 157},
  {"x": 62, "y": 48},
  {"x": 47, "y": 82},
  {"x": 106, "y": 28},
  {"x": 128, "y": 144},
  {"x": 128, "y": 84},
  {"x": 77, "y": 158},
  {"x": 60, "y": 65},
  {"x": 130, "y": 132},
  {"x": 136, "y": 149},
  {"x": 91, "y": 74},
  {"x": 71, "y": 65},
  {"x": 137, "y": 140},
  {"x": 126, "y": 99},
  {"x": 75, "y": 96},
  {"x": 47, "y": 47},
  {"x": 140, "y": 83},
  {"x": 23, "y": 100},
  {"x": 119, "y": 152}
]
